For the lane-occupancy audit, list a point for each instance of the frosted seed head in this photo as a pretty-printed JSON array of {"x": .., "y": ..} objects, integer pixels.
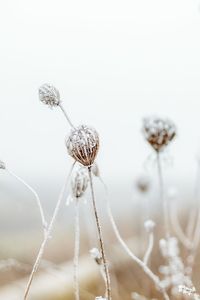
[
  {"x": 79, "y": 183},
  {"x": 158, "y": 132},
  {"x": 49, "y": 95},
  {"x": 149, "y": 225},
  {"x": 83, "y": 144},
  {"x": 2, "y": 165},
  {"x": 96, "y": 255}
]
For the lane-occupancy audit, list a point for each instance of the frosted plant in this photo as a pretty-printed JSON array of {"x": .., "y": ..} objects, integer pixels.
[
  {"x": 100, "y": 298},
  {"x": 37, "y": 199},
  {"x": 173, "y": 272},
  {"x": 189, "y": 292},
  {"x": 49, "y": 95},
  {"x": 82, "y": 145},
  {"x": 159, "y": 133},
  {"x": 149, "y": 226},
  {"x": 79, "y": 184},
  {"x": 143, "y": 183}
]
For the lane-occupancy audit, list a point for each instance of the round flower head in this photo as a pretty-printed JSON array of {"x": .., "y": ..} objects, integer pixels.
[
  {"x": 49, "y": 95},
  {"x": 79, "y": 183},
  {"x": 158, "y": 132},
  {"x": 2, "y": 165},
  {"x": 83, "y": 144}
]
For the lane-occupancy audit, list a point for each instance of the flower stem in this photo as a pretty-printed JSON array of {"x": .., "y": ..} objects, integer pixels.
[
  {"x": 76, "y": 250},
  {"x": 48, "y": 234},
  {"x": 100, "y": 236},
  {"x": 66, "y": 115},
  {"x": 163, "y": 198}
]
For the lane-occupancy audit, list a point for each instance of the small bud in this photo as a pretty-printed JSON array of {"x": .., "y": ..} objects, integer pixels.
[
  {"x": 149, "y": 225},
  {"x": 49, "y": 95},
  {"x": 83, "y": 144},
  {"x": 96, "y": 255},
  {"x": 143, "y": 183},
  {"x": 79, "y": 183},
  {"x": 158, "y": 132},
  {"x": 2, "y": 165}
]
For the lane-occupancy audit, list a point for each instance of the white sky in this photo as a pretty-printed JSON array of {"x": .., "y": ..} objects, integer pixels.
[{"x": 113, "y": 62}]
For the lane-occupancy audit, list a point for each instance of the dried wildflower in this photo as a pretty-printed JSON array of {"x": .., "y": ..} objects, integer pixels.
[
  {"x": 49, "y": 95},
  {"x": 79, "y": 183},
  {"x": 83, "y": 144},
  {"x": 149, "y": 225},
  {"x": 158, "y": 132},
  {"x": 143, "y": 184},
  {"x": 2, "y": 165},
  {"x": 96, "y": 255}
]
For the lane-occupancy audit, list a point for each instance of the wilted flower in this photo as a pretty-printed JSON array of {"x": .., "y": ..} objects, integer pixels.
[
  {"x": 149, "y": 225},
  {"x": 158, "y": 132},
  {"x": 79, "y": 183},
  {"x": 49, "y": 95},
  {"x": 2, "y": 165},
  {"x": 83, "y": 144},
  {"x": 96, "y": 255}
]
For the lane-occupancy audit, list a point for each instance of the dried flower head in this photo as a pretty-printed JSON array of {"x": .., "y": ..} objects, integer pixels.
[
  {"x": 96, "y": 255},
  {"x": 158, "y": 132},
  {"x": 49, "y": 95},
  {"x": 2, "y": 165},
  {"x": 149, "y": 225},
  {"x": 83, "y": 144},
  {"x": 79, "y": 183}
]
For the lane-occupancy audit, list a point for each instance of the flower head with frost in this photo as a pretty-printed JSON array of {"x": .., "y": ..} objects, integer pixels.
[
  {"x": 49, "y": 95},
  {"x": 158, "y": 132},
  {"x": 79, "y": 184},
  {"x": 83, "y": 144},
  {"x": 149, "y": 225},
  {"x": 96, "y": 255},
  {"x": 2, "y": 165}
]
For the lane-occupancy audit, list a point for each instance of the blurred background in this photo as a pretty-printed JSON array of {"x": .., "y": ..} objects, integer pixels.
[{"x": 114, "y": 62}]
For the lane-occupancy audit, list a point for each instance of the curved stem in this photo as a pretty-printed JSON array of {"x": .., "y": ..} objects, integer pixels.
[
  {"x": 100, "y": 236},
  {"x": 163, "y": 198},
  {"x": 66, "y": 115},
  {"x": 149, "y": 248},
  {"x": 48, "y": 234},
  {"x": 76, "y": 250},
  {"x": 44, "y": 223},
  {"x": 140, "y": 263}
]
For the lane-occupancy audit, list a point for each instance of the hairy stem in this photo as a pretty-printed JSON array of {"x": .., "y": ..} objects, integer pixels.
[
  {"x": 100, "y": 236},
  {"x": 48, "y": 234},
  {"x": 163, "y": 198},
  {"x": 66, "y": 115},
  {"x": 44, "y": 223},
  {"x": 149, "y": 249},
  {"x": 76, "y": 250}
]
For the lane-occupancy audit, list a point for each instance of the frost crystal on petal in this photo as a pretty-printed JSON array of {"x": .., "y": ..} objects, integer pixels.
[
  {"x": 49, "y": 95},
  {"x": 83, "y": 144},
  {"x": 158, "y": 132}
]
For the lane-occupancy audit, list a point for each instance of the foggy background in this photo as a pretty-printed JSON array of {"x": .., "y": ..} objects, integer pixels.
[{"x": 114, "y": 62}]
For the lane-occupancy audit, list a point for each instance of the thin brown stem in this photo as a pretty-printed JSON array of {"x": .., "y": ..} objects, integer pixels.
[
  {"x": 48, "y": 234},
  {"x": 100, "y": 236}
]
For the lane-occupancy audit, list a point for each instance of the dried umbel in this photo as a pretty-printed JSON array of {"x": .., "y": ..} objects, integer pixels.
[
  {"x": 83, "y": 145},
  {"x": 79, "y": 183},
  {"x": 49, "y": 95},
  {"x": 158, "y": 132}
]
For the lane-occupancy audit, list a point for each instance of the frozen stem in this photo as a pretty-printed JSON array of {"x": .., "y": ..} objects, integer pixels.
[
  {"x": 149, "y": 249},
  {"x": 76, "y": 250},
  {"x": 44, "y": 223},
  {"x": 48, "y": 234},
  {"x": 100, "y": 236},
  {"x": 66, "y": 115}
]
